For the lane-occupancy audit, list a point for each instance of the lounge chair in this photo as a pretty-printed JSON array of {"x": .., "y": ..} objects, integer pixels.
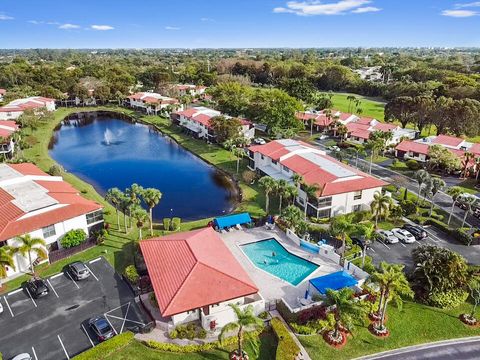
[{"x": 238, "y": 226}]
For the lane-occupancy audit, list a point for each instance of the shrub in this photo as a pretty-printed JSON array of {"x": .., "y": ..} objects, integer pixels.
[
  {"x": 413, "y": 164},
  {"x": 166, "y": 223},
  {"x": 408, "y": 207},
  {"x": 55, "y": 170},
  {"x": 202, "y": 333},
  {"x": 104, "y": 349},
  {"x": 263, "y": 315},
  {"x": 175, "y": 224},
  {"x": 73, "y": 238},
  {"x": 131, "y": 274},
  {"x": 287, "y": 348},
  {"x": 448, "y": 299},
  {"x": 394, "y": 162},
  {"x": 249, "y": 176},
  {"x": 302, "y": 329}
]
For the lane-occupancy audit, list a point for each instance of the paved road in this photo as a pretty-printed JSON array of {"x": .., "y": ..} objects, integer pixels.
[
  {"x": 464, "y": 349},
  {"x": 442, "y": 200}
]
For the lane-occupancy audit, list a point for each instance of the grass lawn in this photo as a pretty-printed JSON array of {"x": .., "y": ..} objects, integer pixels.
[
  {"x": 118, "y": 247},
  {"x": 371, "y": 108},
  {"x": 265, "y": 350},
  {"x": 414, "y": 324},
  {"x": 468, "y": 186}
]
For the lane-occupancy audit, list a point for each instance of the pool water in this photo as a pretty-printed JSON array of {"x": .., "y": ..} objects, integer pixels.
[{"x": 283, "y": 265}]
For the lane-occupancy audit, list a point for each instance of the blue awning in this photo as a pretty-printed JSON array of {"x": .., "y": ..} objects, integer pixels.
[
  {"x": 334, "y": 281},
  {"x": 232, "y": 220}
]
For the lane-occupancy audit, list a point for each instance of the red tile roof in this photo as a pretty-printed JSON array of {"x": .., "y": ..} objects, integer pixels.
[
  {"x": 408, "y": 145},
  {"x": 475, "y": 149},
  {"x": 7, "y": 128},
  {"x": 72, "y": 205},
  {"x": 193, "y": 269},
  {"x": 447, "y": 140},
  {"x": 3, "y": 91}
]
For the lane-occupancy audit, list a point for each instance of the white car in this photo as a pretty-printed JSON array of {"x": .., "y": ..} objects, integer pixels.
[
  {"x": 387, "y": 236},
  {"x": 23, "y": 356},
  {"x": 404, "y": 236},
  {"x": 1, "y": 308},
  {"x": 322, "y": 137},
  {"x": 259, "y": 141}
]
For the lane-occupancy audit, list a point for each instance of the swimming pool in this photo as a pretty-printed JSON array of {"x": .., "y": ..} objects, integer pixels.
[{"x": 283, "y": 265}]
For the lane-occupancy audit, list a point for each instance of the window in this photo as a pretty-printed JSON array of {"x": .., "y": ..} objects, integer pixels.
[
  {"x": 48, "y": 231},
  {"x": 357, "y": 195},
  {"x": 415, "y": 154},
  {"x": 274, "y": 162},
  {"x": 357, "y": 208},
  {"x": 324, "y": 213},
  {"x": 95, "y": 217},
  {"x": 286, "y": 169},
  {"x": 323, "y": 202},
  {"x": 262, "y": 156}
]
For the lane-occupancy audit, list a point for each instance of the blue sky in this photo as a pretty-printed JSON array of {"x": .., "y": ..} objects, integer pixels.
[{"x": 237, "y": 23}]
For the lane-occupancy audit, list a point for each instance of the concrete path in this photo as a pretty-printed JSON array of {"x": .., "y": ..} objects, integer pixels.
[
  {"x": 457, "y": 349},
  {"x": 303, "y": 353}
]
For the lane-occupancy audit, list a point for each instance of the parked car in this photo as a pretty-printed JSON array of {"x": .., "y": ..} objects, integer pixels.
[
  {"x": 37, "y": 287},
  {"x": 387, "y": 236},
  {"x": 259, "y": 141},
  {"x": 403, "y": 235},
  {"x": 101, "y": 328},
  {"x": 24, "y": 356},
  {"x": 1, "y": 308},
  {"x": 416, "y": 231},
  {"x": 78, "y": 270},
  {"x": 322, "y": 137}
]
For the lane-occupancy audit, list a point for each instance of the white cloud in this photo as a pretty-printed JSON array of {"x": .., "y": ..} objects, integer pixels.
[
  {"x": 172, "y": 28},
  {"x": 468, "y": 5},
  {"x": 68, "y": 26},
  {"x": 206, "y": 19},
  {"x": 317, "y": 7},
  {"x": 459, "y": 13},
  {"x": 35, "y": 22},
  {"x": 102, "y": 27},
  {"x": 5, "y": 17},
  {"x": 366, "y": 9}
]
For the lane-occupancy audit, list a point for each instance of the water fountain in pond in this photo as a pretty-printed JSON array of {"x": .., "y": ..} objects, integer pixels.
[{"x": 108, "y": 137}]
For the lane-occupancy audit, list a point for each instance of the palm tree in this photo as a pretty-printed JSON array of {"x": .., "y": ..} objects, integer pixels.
[
  {"x": 437, "y": 185},
  {"x": 342, "y": 130},
  {"x": 455, "y": 192},
  {"x": 151, "y": 197},
  {"x": 124, "y": 205},
  {"x": 311, "y": 193},
  {"x": 133, "y": 192},
  {"x": 350, "y": 98},
  {"x": 380, "y": 205},
  {"x": 114, "y": 196},
  {"x": 341, "y": 226},
  {"x": 374, "y": 146},
  {"x": 268, "y": 184},
  {"x": 27, "y": 245},
  {"x": 6, "y": 260},
  {"x": 346, "y": 311},
  {"x": 422, "y": 177},
  {"x": 292, "y": 216},
  {"x": 466, "y": 162},
  {"x": 245, "y": 319},
  {"x": 281, "y": 189},
  {"x": 297, "y": 179},
  {"x": 393, "y": 285},
  {"x": 239, "y": 154},
  {"x": 469, "y": 202},
  {"x": 141, "y": 217},
  {"x": 290, "y": 193}
]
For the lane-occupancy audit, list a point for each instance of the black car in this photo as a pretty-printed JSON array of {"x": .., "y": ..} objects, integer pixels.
[
  {"x": 37, "y": 287},
  {"x": 418, "y": 232},
  {"x": 78, "y": 270},
  {"x": 101, "y": 328}
]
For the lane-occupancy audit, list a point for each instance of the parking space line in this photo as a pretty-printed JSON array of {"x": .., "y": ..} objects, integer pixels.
[
  {"x": 56, "y": 275},
  {"x": 88, "y": 336},
  {"x": 28, "y": 291},
  {"x": 70, "y": 276},
  {"x": 106, "y": 317},
  {"x": 14, "y": 292},
  {"x": 126, "y": 315},
  {"x": 401, "y": 243},
  {"x": 34, "y": 353},
  {"x": 95, "y": 260},
  {"x": 63, "y": 347},
  {"x": 91, "y": 272},
  {"x": 52, "y": 288},
  {"x": 8, "y": 305}
]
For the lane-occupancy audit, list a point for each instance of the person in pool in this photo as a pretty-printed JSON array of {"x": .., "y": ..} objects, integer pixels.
[{"x": 273, "y": 254}]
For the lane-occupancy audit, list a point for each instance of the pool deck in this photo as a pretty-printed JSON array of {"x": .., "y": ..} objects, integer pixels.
[{"x": 271, "y": 287}]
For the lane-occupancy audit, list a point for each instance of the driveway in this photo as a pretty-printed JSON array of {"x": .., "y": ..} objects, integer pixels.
[{"x": 56, "y": 326}]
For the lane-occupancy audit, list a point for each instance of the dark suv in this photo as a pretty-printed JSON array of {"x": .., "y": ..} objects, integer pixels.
[
  {"x": 101, "y": 327},
  {"x": 37, "y": 287},
  {"x": 418, "y": 232}
]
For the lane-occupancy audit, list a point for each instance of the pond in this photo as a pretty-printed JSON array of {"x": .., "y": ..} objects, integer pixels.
[{"x": 107, "y": 149}]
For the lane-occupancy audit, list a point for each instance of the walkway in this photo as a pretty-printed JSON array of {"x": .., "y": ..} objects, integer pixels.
[
  {"x": 456, "y": 349},
  {"x": 303, "y": 353}
]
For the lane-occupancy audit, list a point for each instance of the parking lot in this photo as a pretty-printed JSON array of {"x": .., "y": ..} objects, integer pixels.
[{"x": 56, "y": 326}]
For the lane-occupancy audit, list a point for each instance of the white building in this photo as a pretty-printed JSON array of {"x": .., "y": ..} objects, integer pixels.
[
  {"x": 195, "y": 277},
  {"x": 7, "y": 145},
  {"x": 372, "y": 73},
  {"x": 15, "y": 108},
  {"x": 341, "y": 188},
  {"x": 151, "y": 102},
  {"x": 190, "y": 89},
  {"x": 2, "y": 93},
  {"x": 197, "y": 120},
  {"x": 33, "y": 202},
  {"x": 359, "y": 131}
]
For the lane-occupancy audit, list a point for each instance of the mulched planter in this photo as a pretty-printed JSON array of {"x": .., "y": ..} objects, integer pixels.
[
  {"x": 468, "y": 320},
  {"x": 336, "y": 343},
  {"x": 375, "y": 329},
  {"x": 375, "y": 317},
  {"x": 234, "y": 355}
]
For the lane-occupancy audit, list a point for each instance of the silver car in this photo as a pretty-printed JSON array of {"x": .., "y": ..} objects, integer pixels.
[
  {"x": 387, "y": 236},
  {"x": 78, "y": 270}
]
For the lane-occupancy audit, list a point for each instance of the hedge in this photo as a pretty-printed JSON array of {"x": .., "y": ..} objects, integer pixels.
[
  {"x": 458, "y": 234},
  {"x": 185, "y": 349},
  {"x": 104, "y": 349},
  {"x": 287, "y": 348}
]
